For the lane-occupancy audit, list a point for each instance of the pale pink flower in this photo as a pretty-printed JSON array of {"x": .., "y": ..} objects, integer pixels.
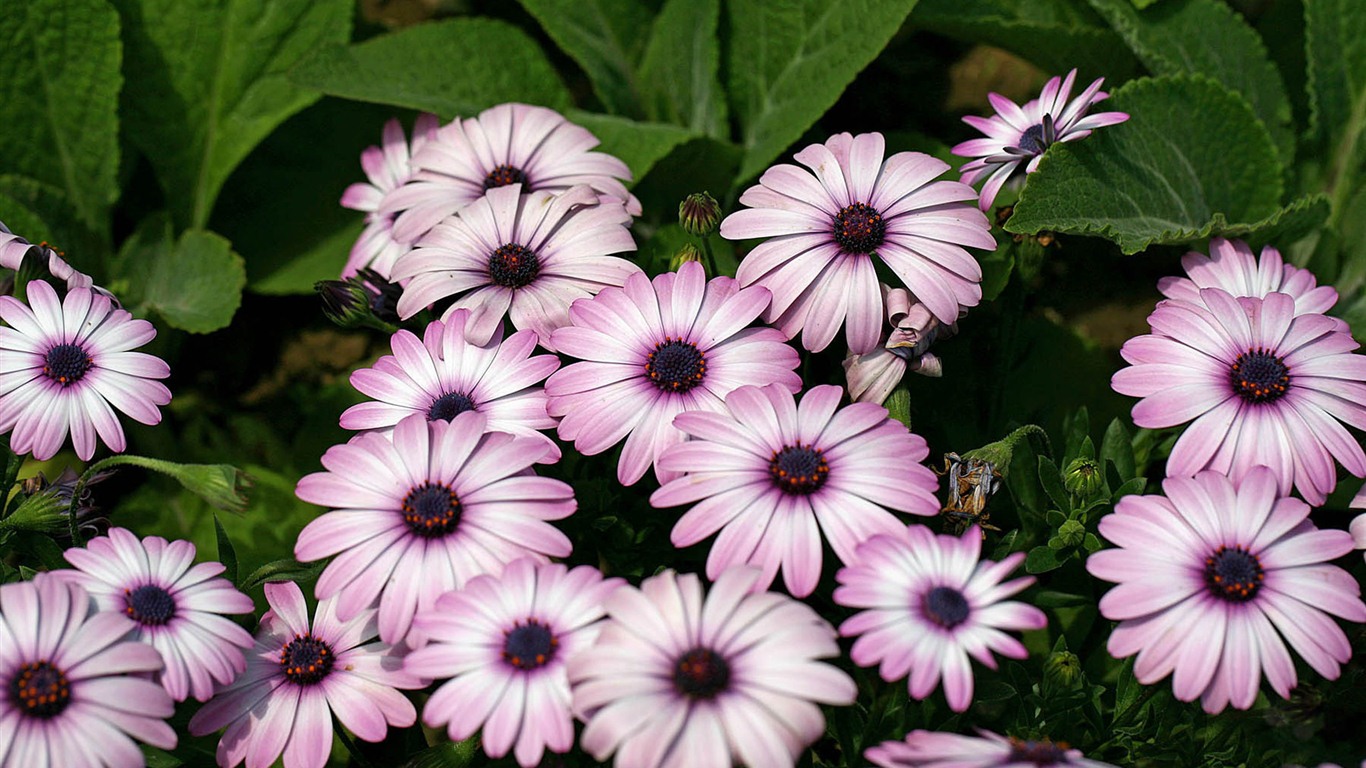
[
  {"x": 387, "y": 168},
  {"x": 928, "y": 749}
]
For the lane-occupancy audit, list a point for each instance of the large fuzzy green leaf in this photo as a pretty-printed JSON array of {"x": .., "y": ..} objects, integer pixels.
[
  {"x": 679, "y": 71},
  {"x": 606, "y": 38}
]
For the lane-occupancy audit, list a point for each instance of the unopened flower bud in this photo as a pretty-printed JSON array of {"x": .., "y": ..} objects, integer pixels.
[
  {"x": 1062, "y": 670},
  {"x": 364, "y": 300},
  {"x": 699, "y": 213},
  {"x": 1082, "y": 477},
  {"x": 685, "y": 254},
  {"x": 1072, "y": 533}
]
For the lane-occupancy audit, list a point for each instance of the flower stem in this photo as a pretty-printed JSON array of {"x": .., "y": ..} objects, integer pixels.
[{"x": 351, "y": 747}]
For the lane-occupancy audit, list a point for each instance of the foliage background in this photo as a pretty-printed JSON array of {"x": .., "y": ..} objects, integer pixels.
[{"x": 190, "y": 153}]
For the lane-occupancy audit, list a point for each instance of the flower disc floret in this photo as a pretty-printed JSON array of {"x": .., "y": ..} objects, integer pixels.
[
  {"x": 66, "y": 365},
  {"x": 774, "y": 477},
  {"x": 676, "y": 677},
  {"x": 823, "y": 228},
  {"x": 423, "y": 511},
  {"x": 149, "y": 605},
  {"x": 1215, "y": 578}
]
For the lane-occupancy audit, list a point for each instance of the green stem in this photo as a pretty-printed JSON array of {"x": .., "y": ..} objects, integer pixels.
[
  {"x": 12, "y": 464},
  {"x": 711, "y": 257},
  {"x": 351, "y": 747}
]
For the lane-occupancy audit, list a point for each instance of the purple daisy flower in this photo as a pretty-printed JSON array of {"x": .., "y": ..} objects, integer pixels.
[
  {"x": 931, "y": 604},
  {"x": 1259, "y": 384},
  {"x": 525, "y": 256},
  {"x": 1231, "y": 266},
  {"x": 65, "y": 363},
  {"x": 678, "y": 679},
  {"x": 426, "y": 511},
  {"x": 1210, "y": 573},
  {"x": 177, "y": 606},
  {"x": 653, "y": 350},
  {"x": 68, "y": 696},
  {"x": 507, "y": 144},
  {"x": 387, "y": 167},
  {"x": 503, "y": 642},
  {"x": 14, "y": 248},
  {"x": 927, "y": 749},
  {"x": 826, "y": 225},
  {"x": 772, "y": 476},
  {"x": 905, "y": 347},
  {"x": 298, "y": 676},
  {"x": 1018, "y": 135},
  {"x": 445, "y": 374},
  {"x": 1359, "y": 531}
]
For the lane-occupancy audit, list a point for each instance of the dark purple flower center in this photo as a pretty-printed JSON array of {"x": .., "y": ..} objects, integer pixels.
[
  {"x": 1233, "y": 574},
  {"x": 40, "y": 690},
  {"x": 149, "y": 605},
  {"x": 431, "y": 510},
  {"x": 799, "y": 469},
  {"x": 449, "y": 405},
  {"x": 701, "y": 673},
  {"x": 306, "y": 660},
  {"x": 530, "y": 645},
  {"x": 1259, "y": 376},
  {"x": 676, "y": 365},
  {"x": 1039, "y": 753},
  {"x": 66, "y": 364},
  {"x": 513, "y": 266},
  {"x": 859, "y": 228},
  {"x": 946, "y": 607},
  {"x": 1037, "y": 138},
  {"x": 504, "y": 175}
]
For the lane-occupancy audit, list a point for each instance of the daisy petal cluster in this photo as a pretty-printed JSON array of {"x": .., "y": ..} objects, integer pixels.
[
  {"x": 177, "y": 606},
  {"x": 1016, "y": 136},
  {"x": 1259, "y": 384},
  {"x": 905, "y": 347},
  {"x": 772, "y": 475},
  {"x": 387, "y": 167},
  {"x": 531, "y": 146},
  {"x": 14, "y": 248},
  {"x": 67, "y": 364},
  {"x": 502, "y": 642},
  {"x": 930, "y": 604},
  {"x": 678, "y": 678},
  {"x": 1231, "y": 266},
  {"x": 826, "y": 225},
  {"x": 1215, "y": 578},
  {"x": 526, "y": 256},
  {"x": 444, "y": 374},
  {"x": 71, "y": 685},
  {"x": 423, "y": 511},
  {"x": 299, "y": 675},
  {"x": 651, "y": 350},
  {"x": 927, "y": 749}
]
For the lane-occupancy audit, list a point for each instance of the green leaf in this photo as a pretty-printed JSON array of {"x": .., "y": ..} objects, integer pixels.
[
  {"x": 1287, "y": 225},
  {"x": 221, "y": 485},
  {"x": 207, "y": 82},
  {"x": 1057, "y": 35},
  {"x": 639, "y": 145},
  {"x": 195, "y": 283},
  {"x": 448, "y": 754},
  {"x": 1041, "y": 560},
  {"x": 59, "y": 82},
  {"x": 997, "y": 267},
  {"x": 23, "y": 221},
  {"x": 1130, "y": 487},
  {"x": 791, "y": 59},
  {"x": 679, "y": 71},
  {"x": 1051, "y": 480},
  {"x": 1335, "y": 44},
  {"x": 282, "y": 570},
  {"x": 457, "y": 67},
  {"x": 1116, "y": 447},
  {"x": 1207, "y": 37},
  {"x": 59, "y": 223},
  {"x": 227, "y": 555},
  {"x": 1191, "y": 161},
  {"x": 602, "y": 36}
]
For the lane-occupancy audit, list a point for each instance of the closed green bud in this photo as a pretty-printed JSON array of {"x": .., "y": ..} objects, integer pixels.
[
  {"x": 699, "y": 213},
  {"x": 364, "y": 300},
  {"x": 1082, "y": 477},
  {"x": 1072, "y": 533},
  {"x": 1062, "y": 670},
  {"x": 685, "y": 254}
]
